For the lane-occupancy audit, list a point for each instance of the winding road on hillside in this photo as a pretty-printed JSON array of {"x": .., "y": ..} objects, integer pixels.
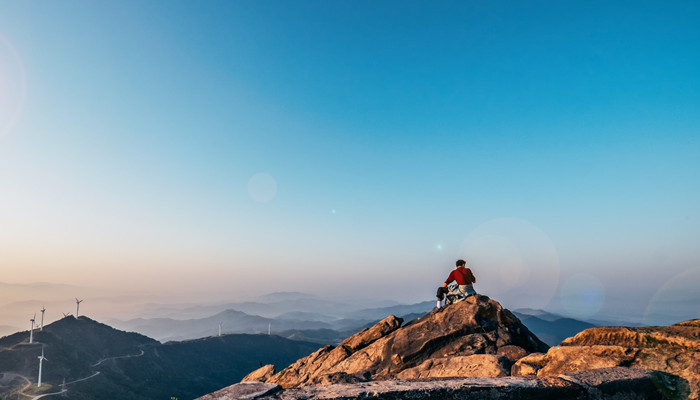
[
  {"x": 48, "y": 394},
  {"x": 117, "y": 357},
  {"x": 28, "y": 384}
]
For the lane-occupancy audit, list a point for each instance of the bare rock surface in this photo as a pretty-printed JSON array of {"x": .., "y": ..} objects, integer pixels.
[
  {"x": 512, "y": 353},
  {"x": 476, "y": 326},
  {"x": 564, "y": 359},
  {"x": 673, "y": 349},
  {"x": 465, "y": 366},
  {"x": 369, "y": 335},
  {"x": 613, "y": 383},
  {"x": 528, "y": 365},
  {"x": 243, "y": 391},
  {"x": 261, "y": 374}
]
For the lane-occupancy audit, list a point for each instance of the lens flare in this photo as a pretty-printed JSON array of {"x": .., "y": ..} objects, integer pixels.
[
  {"x": 13, "y": 86},
  {"x": 262, "y": 187},
  {"x": 582, "y": 296},
  {"x": 514, "y": 260},
  {"x": 677, "y": 300}
]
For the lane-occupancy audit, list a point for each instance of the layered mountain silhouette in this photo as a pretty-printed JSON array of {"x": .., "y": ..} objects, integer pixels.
[
  {"x": 344, "y": 318},
  {"x": 485, "y": 350},
  {"x": 550, "y": 328},
  {"x": 317, "y": 326}
]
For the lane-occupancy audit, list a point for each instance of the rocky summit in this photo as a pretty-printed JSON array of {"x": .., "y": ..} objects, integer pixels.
[
  {"x": 478, "y": 349},
  {"x": 476, "y": 337}
]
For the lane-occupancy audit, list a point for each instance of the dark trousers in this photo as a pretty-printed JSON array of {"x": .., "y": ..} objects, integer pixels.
[{"x": 441, "y": 292}]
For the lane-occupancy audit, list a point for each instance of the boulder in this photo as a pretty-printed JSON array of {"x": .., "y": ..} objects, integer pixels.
[
  {"x": 673, "y": 349},
  {"x": 512, "y": 353},
  {"x": 485, "y": 365},
  {"x": 528, "y": 365},
  {"x": 368, "y": 336},
  {"x": 564, "y": 359},
  {"x": 261, "y": 374},
  {"x": 318, "y": 366},
  {"x": 304, "y": 369}
]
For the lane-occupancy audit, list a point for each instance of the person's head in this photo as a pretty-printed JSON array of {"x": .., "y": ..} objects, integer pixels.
[{"x": 460, "y": 263}]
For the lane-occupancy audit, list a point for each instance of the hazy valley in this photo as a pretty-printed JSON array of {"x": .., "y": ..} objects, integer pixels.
[{"x": 186, "y": 350}]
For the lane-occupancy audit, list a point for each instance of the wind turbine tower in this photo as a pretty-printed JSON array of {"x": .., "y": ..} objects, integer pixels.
[
  {"x": 43, "y": 310},
  {"x": 31, "y": 332},
  {"x": 269, "y": 327},
  {"x": 77, "y": 308},
  {"x": 41, "y": 360},
  {"x": 220, "y": 325}
]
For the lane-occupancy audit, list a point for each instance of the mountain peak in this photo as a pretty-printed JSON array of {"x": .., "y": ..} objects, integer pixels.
[{"x": 476, "y": 333}]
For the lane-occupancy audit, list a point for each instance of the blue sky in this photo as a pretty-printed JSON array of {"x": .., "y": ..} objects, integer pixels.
[{"x": 355, "y": 148}]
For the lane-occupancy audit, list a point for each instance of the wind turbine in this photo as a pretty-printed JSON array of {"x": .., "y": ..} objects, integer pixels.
[
  {"x": 43, "y": 310},
  {"x": 65, "y": 315},
  {"x": 220, "y": 325},
  {"x": 77, "y": 308},
  {"x": 41, "y": 359},
  {"x": 31, "y": 332},
  {"x": 269, "y": 327}
]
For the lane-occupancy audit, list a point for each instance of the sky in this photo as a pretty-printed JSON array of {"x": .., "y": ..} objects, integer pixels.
[{"x": 356, "y": 149}]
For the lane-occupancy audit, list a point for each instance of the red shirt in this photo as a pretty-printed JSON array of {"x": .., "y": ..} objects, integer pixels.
[{"x": 462, "y": 275}]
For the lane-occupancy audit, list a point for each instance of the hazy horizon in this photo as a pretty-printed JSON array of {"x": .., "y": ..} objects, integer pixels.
[{"x": 355, "y": 150}]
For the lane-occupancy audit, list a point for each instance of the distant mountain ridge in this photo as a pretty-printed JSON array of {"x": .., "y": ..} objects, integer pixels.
[
  {"x": 401, "y": 309},
  {"x": 297, "y": 314},
  {"x": 303, "y": 323},
  {"x": 552, "y": 329},
  {"x": 100, "y": 362},
  {"x": 166, "y": 329}
]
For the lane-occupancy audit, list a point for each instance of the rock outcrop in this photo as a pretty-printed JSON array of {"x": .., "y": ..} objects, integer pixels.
[
  {"x": 477, "y": 349},
  {"x": 261, "y": 374},
  {"x": 673, "y": 349},
  {"x": 476, "y": 337},
  {"x": 611, "y": 383},
  {"x": 463, "y": 366}
]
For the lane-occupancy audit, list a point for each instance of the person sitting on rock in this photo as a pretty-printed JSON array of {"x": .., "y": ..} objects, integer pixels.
[{"x": 464, "y": 278}]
